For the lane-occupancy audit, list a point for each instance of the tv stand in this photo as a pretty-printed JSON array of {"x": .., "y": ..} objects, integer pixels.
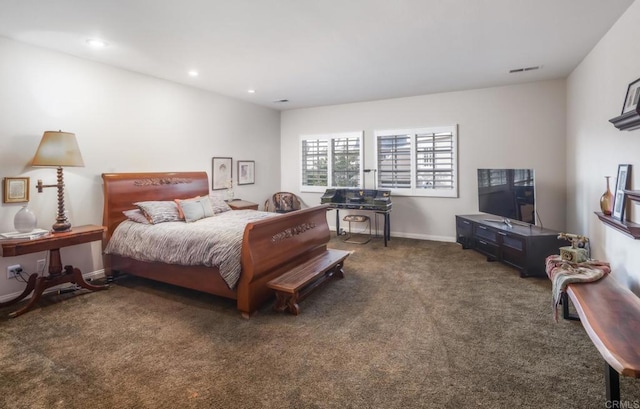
[
  {"x": 503, "y": 221},
  {"x": 523, "y": 246}
]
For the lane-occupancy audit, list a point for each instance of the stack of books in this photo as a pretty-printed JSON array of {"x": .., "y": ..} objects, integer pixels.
[{"x": 34, "y": 234}]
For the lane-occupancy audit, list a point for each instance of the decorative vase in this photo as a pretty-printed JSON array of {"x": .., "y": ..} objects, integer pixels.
[
  {"x": 25, "y": 220},
  {"x": 606, "y": 200},
  {"x": 230, "y": 195}
]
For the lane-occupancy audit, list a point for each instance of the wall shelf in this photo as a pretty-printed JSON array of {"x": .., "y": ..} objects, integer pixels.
[
  {"x": 629, "y": 228},
  {"x": 634, "y": 195},
  {"x": 627, "y": 121}
]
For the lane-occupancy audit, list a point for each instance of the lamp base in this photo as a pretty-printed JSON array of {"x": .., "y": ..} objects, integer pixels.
[
  {"x": 62, "y": 222},
  {"x": 60, "y": 227}
]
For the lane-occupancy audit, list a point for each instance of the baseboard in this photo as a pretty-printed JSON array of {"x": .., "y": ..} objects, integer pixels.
[
  {"x": 87, "y": 276},
  {"x": 414, "y": 236}
]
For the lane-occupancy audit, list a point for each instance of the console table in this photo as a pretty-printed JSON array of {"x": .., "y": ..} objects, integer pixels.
[
  {"x": 520, "y": 246},
  {"x": 53, "y": 242}
]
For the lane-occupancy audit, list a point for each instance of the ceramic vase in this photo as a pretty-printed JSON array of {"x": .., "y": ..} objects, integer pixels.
[
  {"x": 25, "y": 220},
  {"x": 606, "y": 200}
]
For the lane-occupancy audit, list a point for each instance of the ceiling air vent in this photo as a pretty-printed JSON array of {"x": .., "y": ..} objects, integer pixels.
[
  {"x": 536, "y": 67},
  {"x": 277, "y": 101}
]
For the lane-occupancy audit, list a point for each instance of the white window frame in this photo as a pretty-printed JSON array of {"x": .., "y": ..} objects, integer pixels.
[
  {"x": 329, "y": 138},
  {"x": 413, "y": 189}
]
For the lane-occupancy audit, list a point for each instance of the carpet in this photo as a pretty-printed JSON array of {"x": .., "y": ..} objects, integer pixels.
[{"x": 418, "y": 324}]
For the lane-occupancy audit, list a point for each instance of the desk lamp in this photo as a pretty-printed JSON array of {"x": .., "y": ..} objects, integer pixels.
[{"x": 58, "y": 149}]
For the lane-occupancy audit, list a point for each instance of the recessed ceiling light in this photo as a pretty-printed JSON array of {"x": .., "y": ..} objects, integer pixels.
[
  {"x": 251, "y": 91},
  {"x": 193, "y": 73},
  {"x": 95, "y": 43}
]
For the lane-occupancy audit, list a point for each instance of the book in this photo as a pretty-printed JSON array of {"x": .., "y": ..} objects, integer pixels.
[{"x": 34, "y": 234}]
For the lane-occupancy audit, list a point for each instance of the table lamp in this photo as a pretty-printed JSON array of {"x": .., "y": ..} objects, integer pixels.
[{"x": 58, "y": 149}]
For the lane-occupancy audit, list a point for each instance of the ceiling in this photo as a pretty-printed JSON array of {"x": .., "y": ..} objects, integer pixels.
[{"x": 322, "y": 52}]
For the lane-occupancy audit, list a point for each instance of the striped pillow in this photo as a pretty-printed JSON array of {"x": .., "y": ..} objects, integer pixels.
[
  {"x": 136, "y": 215},
  {"x": 218, "y": 204},
  {"x": 159, "y": 211}
]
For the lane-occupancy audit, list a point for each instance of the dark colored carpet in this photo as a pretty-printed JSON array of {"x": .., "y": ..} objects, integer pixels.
[{"x": 417, "y": 324}]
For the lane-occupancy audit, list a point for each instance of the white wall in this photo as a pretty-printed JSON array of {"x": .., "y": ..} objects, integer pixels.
[
  {"x": 514, "y": 126},
  {"x": 124, "y": 122},
  {"x": 595, "y": 94}
]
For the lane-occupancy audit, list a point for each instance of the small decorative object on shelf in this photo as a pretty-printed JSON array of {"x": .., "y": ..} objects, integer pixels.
[
  {"x": 229, "y": 186},
  {"x": 25, "y": 220},
  {"x": 622, "y": 183},
  {"x": 606, "y": 200}
]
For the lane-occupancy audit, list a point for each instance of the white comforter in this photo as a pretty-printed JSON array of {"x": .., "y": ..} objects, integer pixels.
[{"x": 213, "y": 241}]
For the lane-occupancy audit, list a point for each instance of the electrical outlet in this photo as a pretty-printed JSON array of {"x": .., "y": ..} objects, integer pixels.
[
  {"x": 40, "y": 266},
  {"x": 13, "y": 270}
]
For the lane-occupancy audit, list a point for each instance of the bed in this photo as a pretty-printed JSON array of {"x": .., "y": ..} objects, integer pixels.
[{"x": 270, "y": 246}]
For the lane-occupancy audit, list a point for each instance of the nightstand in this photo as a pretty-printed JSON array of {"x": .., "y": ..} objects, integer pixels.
[
  {"x": 242, "y": 205},
  {"x": 53, "y": 243}
]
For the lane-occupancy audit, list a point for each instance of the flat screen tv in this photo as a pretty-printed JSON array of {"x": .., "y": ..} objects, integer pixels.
[{"x": 508, "y": 193}]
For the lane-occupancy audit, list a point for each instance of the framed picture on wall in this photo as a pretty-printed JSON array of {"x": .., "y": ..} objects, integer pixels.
[
  {"x": 632, "y": 97},
  {"x": 16, "y": 190},
  {"x": 622, "y": 183},
  {"x": 221, "y": 173},
  {"x": 246, "y": 172}
]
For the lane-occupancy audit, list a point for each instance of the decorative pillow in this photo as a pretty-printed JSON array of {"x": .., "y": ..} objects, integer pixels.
[
  {"x": 180, "y": 214},
  {"x": 160, "y": 212},
  {"x": 136, "y": 215},
  {"x": 218, "y": 204},
  {"x": 196, "y": 209}
]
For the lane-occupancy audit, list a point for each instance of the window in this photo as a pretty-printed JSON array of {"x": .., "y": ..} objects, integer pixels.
[
  {"x": 333, "y": 160},
  {"x": 418, "y": 162}
]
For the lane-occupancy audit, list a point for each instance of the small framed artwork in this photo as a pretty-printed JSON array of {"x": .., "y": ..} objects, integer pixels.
[
  {"x": 632, "y": 97},
  {"x": 622, "y": 183},
  {"x": 221, "y": 173},
  {"x": 16, "y": 190},
  {"x": 246, "y": 172}
]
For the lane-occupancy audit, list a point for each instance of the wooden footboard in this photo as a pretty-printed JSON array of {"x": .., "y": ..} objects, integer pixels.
[
  {"x": 270, "y": 247},
  {"x": 275, "y": 245}
]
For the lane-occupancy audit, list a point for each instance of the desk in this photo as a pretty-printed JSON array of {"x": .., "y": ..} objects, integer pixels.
[
  {"x": 57, "y": 276},
  {"x": 385, "y": 213},
  {"x": 372, "y": 200}
]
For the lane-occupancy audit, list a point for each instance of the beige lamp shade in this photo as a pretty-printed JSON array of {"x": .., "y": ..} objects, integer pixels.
[{"x": 58, "y": 148}]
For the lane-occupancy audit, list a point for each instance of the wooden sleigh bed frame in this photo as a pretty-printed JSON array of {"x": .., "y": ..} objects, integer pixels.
[{"x": 270, "y": 247}]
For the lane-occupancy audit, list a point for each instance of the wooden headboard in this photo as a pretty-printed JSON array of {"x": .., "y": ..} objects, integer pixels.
[{"x": 121, "y": 190}]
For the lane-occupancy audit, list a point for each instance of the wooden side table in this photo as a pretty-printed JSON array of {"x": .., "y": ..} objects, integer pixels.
[
  {"x": 242, "y": 205},
  {"x": 57, "y": 276}
]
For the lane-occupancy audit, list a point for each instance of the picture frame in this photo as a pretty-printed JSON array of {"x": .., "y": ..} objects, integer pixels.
[
  {"x": 16, "y": 190},
  {"x": 632, "y": 97},
  {"x": 246, "y": 172},
  {"x": 221, "y": 173},
  {"x": 619, "y": 197}
]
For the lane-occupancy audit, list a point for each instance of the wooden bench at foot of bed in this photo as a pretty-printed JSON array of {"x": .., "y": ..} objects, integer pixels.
[
  {"x": 610, "y": 314},
  {"x": 294, "y": 285}
]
